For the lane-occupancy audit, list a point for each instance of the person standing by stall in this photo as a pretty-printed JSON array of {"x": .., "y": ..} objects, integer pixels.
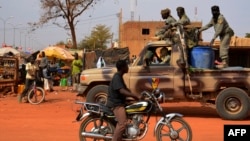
[
  {"x": 47, "y": 78},
  {"x": 22, "y": 74},
  {"x": 43, "y": 63},
  {"x": 44, "y": 60},
  {"x": 76, "y": 68}
]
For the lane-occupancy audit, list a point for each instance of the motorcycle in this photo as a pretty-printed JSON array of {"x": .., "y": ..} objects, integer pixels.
[{"x": 99, "y": 122}]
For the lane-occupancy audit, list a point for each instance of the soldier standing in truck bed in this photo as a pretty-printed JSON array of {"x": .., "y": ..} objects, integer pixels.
[
  {"x": 183, "y": 18},
  {"x": 224, "y": 31}
]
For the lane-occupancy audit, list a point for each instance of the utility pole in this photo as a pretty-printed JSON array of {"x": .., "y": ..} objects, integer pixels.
[
  {"x": 120, "y": 31},
  {"x": 14, "y": 33},
  {"x": 4, "y": 23}
]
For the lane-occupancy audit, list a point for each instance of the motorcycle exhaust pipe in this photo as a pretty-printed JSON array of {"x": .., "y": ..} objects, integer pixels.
[{"x": 92, "y": 135}]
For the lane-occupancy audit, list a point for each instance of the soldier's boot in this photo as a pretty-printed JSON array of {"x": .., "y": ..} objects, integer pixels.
[{"x": 222, "y": 64}]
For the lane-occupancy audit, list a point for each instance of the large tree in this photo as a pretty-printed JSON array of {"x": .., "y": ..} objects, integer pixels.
[
  {"x": 69, "y": 10},
  {"x": 99, "y": 38}
]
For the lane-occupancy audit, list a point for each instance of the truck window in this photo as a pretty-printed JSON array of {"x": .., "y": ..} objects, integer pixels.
[{"x": 161, "y": 56}]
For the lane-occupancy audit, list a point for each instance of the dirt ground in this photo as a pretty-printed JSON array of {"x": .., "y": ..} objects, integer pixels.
[{"x": 54, "y": 119}]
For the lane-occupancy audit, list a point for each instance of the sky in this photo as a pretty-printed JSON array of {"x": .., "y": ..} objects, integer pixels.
[{"x": 15, "y": 14}]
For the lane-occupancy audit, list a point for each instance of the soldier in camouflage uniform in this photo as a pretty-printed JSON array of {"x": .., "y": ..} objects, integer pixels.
[
  {"x": 165, "y": 32},
  {"x": 183, "y": 18},
  {"x": 224, "y": 31}
]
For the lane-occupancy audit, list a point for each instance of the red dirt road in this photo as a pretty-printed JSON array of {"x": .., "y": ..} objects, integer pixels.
[{"x": 53, "y": 119}]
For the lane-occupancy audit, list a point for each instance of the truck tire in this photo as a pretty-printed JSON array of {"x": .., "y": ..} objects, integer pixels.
[
  {"x": 98, "y": 94},
  {"x": 232, "y": 104}
]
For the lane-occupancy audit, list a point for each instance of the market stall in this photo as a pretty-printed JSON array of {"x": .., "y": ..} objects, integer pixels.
[
  {"x": 60, "y": 56},
  {"x": 8, "y": 72}
]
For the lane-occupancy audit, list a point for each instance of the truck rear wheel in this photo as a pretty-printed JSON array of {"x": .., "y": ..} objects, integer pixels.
[
  {"x": 98, "y": 94},
  {"x": 232, "y": 104}
]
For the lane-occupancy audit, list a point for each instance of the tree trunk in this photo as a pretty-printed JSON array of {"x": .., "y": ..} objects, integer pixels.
[{"x": 73, "y": 35}]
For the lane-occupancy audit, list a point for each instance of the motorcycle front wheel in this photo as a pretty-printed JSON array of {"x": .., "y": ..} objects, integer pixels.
[
  {"x": 176, "y": 130},
  {"x": 36, "y": 97},
  {"x": 96, "y": 129}
]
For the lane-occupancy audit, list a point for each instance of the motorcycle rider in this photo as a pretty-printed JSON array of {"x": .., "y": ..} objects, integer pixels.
[{"x": 117, "y": 93}]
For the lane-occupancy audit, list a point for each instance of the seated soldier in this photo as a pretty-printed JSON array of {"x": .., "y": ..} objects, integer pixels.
[
  {"x": 165, "y": 32},
  {"x": 164, "y": 56}
]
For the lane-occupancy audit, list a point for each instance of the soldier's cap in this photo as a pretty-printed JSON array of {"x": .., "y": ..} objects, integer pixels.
[
  {"x": 165, "y": 11},
  {"x": 215, "y": 8}
]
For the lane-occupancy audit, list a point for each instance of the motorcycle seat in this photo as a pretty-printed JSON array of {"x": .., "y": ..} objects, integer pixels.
[{"x": 107, "y": 110}]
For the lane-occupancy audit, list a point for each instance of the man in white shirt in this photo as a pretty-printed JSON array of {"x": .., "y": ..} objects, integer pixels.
[{"x": 31, "y": 70}]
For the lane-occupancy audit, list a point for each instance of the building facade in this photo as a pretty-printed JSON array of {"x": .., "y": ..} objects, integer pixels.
[{"x": 136, "y": 34}]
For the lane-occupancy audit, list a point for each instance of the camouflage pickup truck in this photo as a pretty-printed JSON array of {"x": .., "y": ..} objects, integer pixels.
[{"x": 225, "y": 89}]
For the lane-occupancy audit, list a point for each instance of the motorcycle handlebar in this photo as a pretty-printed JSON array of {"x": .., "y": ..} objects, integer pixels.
[{"x": 145, "y": 94}]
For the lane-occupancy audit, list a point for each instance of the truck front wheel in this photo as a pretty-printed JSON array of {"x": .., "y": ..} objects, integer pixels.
[
  {"x": 232, "y": 104},
  {"x": 98, "y": 94}
]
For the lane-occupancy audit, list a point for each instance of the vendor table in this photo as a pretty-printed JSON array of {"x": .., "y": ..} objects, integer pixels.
[{"x": 65, "y": 74}]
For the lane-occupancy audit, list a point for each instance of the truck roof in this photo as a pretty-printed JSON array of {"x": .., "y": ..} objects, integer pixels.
[{"x": 158, "y": 43}]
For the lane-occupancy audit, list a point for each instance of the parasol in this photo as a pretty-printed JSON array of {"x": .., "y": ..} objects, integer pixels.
[{"x": 58, "y": 52}]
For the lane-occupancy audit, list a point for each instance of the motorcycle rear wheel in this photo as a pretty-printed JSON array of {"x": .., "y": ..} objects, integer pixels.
[
  {"x": 92, "y": 125},
  {"x": 36, "y": 97},
  {"x": 181, "y": 131}
]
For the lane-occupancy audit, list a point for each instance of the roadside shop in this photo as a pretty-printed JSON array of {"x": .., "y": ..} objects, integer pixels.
[{"x": 9, "y": 72}]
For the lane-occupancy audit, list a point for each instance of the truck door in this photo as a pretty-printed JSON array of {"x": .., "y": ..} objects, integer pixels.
[{"x": 161, "y": 75}]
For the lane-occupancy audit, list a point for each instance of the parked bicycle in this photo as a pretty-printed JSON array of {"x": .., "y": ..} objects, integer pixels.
[{"x": 35, "y": 94}]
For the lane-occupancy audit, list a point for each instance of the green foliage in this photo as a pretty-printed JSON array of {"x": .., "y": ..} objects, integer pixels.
[
  {"x": 60, "y": 43},
  {"x": 247, "y": 35},
  {"x": 99, "y": 38}
]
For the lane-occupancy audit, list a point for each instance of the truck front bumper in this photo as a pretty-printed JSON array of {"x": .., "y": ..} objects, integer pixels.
[{"x": 81, "y": 89}]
